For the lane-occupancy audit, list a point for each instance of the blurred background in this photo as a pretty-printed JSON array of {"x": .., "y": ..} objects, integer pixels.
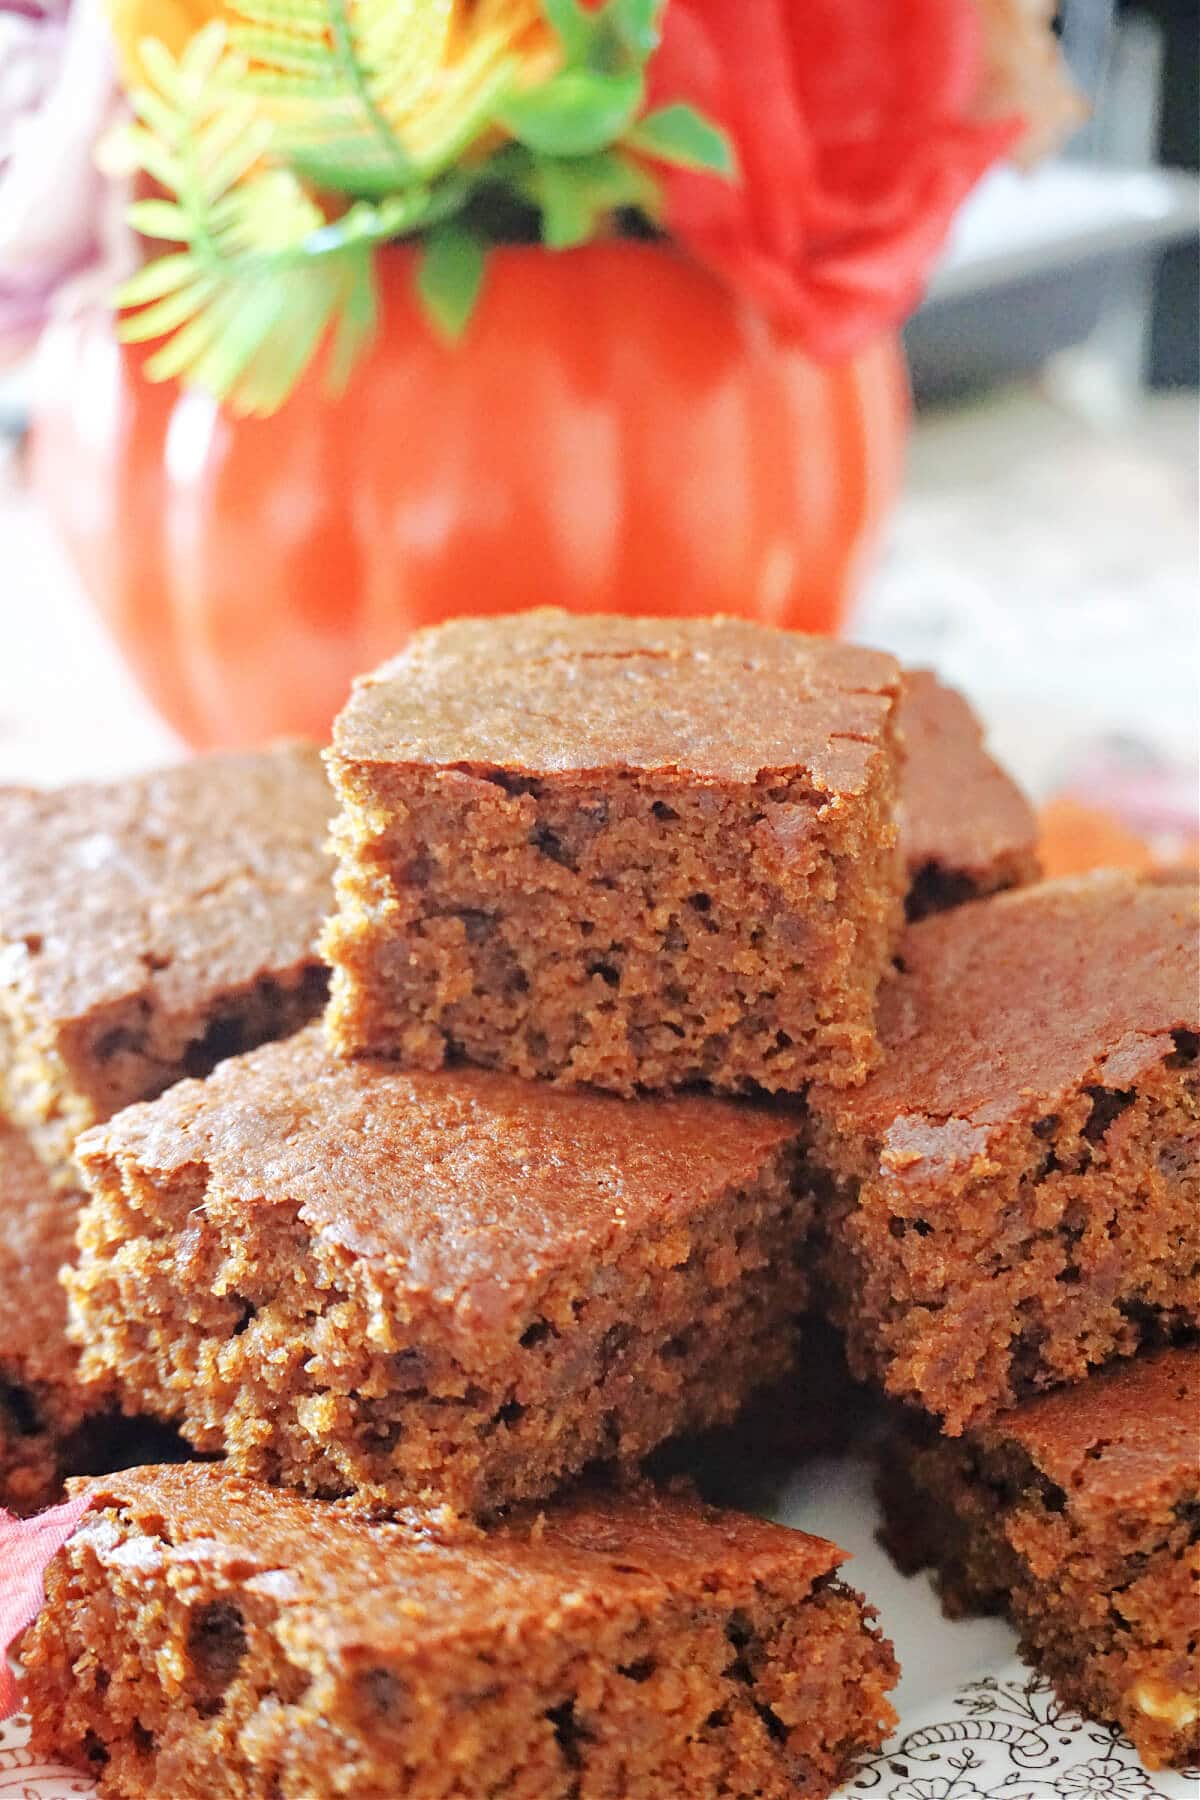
[
  {"x": 1043, "y": 550},
  {"x": 1046, "y": 553}
]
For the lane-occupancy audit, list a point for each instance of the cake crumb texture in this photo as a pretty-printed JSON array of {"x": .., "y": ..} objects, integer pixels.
[
  {"x": 52, "y": 1423},
  {"x": 151, "y": 927},
  {"x": 205, "y": 1637},
  {"x": 966, "y": 829},
  {"x": 42, "y": 1400},
  {"x": 1014, "y": 1195},
  {"x": 1078, "y": 1513},
  {"x": 633, "y": 853},
  {"x": 349, "y": 1278}
]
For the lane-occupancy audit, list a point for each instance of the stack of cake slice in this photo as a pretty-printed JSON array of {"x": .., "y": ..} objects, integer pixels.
[
  {"x": 1013, "y": 1202},
  {"x": 429, "y": 1262},
  {"x": 148, "y": 929},
  {"x": 388, "y": 1284}
]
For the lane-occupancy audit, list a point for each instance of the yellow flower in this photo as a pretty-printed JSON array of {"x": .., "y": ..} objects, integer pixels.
[{"x": 443, "y": 58}]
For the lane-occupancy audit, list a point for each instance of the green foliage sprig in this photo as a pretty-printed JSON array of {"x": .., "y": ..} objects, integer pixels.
[{"x": 279, "y": 140}]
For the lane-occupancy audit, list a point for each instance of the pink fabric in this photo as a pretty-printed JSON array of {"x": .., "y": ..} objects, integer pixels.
[
  {"x": 26, "y": 1547},
  {"x": 58, "y": 228}
]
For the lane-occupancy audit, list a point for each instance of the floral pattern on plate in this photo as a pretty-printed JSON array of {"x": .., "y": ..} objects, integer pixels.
[{"x": 1007, "y": 1737}]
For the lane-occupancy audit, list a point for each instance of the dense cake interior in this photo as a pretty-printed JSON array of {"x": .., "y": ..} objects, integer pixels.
[
  {"x": 633, "y": 852},
  {"x": 52, "y": 1424},
  {"x": 634, "y": 930},
  {"x": 1103, "y": 1589},
  {"x": 520, "y": 1291},
  {"x": 1073, "y": 1241},
  {"x": 58, "y": 1080},
  {"x": 38, "y": 1426},
  {"x": 153, "y": 926},
  {"x": 1013, "y": 1196},
  {"x": 42, "y": 1403},
  {"x": 270, "y": 1344},
  {"x": 544, "y": 1663}
]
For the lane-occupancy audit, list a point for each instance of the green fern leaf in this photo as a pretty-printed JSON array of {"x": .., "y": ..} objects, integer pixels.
[
  {"x": 573, "y": 194},
  {"x": 256, "y": 128},
  {"x": 305, "y": 56},
  {"x": 182, "y": 83},
  {"x": 149, "y": 152},
  {"x": 263, "y": 276},
  {"x": 678, "y": 134},
  {"x": 157, "y": 278},
  {"x": 355, "y": 324},
  {"x": 294, "y": 15},
  {"x": 342, "y": 77},
  {"x": 170, "y": 312},
  {"x": 449, "y": 277},
  {"x": 159, "y": 219}
]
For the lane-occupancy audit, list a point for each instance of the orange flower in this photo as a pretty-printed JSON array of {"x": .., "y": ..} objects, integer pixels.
[
  {"x": 173, "y": 22},
  {"x": 856, "y": 136}
]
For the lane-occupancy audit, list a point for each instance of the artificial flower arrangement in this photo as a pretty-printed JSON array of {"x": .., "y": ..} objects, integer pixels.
[
  {"x": 295, "y": 137},
  {"x": 463, "y": 304}
]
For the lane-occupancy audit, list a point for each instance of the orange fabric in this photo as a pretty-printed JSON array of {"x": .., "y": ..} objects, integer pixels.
[{"x": 1075, "y": 838}]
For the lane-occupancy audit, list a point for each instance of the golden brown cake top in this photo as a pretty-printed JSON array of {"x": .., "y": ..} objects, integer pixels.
[
  {"x": 959, "y": 810},
  {"x": 1123, "y": 1439},
  {"x": 548, "y": 692},
  {"x": 393, "y": 1586},
  {"x": 174, "y": 885},
  {"x": 37, "y": 1236},
  {"x": 472, "y": 1185},
  {"x": 1003, "y": 1006}
]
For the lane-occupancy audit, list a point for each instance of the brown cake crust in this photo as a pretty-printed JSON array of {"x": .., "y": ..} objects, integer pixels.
[
  {"x": 966, "y": 829},
  {"x": 351, "y": 1278},
  {"x": 1119, "y": 1442},
  {"x": 1079, "y": 1513},
  {"x": 1013, "y": 1195},
  {"x": 203, "y": 1637},
  {"x": 150, "y": 927},
  {"x": 634, "y": 853},
  {"x": 566, "y": 692}
]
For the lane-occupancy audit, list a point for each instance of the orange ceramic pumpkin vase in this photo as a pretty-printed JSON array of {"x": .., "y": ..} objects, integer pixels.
[{"x": 616, "y": 431}]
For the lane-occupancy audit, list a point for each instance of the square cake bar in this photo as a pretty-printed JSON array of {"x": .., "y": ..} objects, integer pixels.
[
  {"x": 635, "y": 853},
  {"x": 452, "y": 1284},
  {"x": 152, "y": 926},
  {"x": 204, "y": 1637},
  {"x": 966, "y": 829},
  {"x": 1079, "y": 1514},
  {"x": 1014, "y": 1195}
]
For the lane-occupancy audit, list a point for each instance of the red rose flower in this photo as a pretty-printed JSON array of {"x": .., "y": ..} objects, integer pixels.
[{"x": 856, "y": 138}]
